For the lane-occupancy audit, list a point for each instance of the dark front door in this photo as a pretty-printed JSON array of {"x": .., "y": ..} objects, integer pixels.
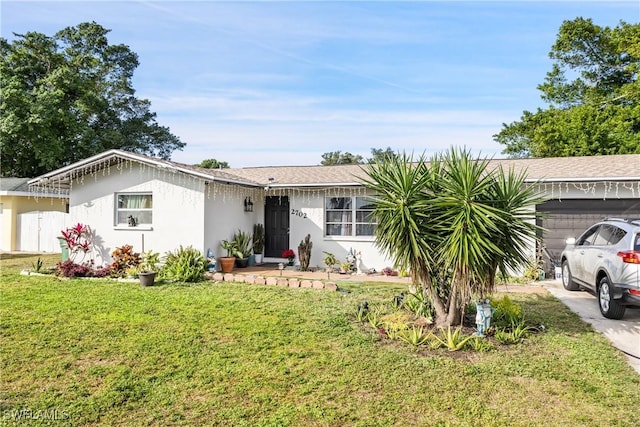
[{"x": 276, "y": 226}]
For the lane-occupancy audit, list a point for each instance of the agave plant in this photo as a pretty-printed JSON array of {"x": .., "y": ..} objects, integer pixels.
[
  {"x": 453, "y": 340},
  {"x": 415, "y": 336}
]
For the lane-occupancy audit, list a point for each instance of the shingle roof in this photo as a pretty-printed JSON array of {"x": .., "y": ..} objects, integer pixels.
[
  {"x": 302, "y": 175},
  {"x": 618, "y": 167},
  {"x": 14, "y": 184},
  {"x": 593, "y": 168},
  {"x": 625, "y": 166}
]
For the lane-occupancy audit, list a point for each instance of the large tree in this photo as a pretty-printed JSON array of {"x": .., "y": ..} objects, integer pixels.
[
  {"x": 70, "y": 96},
  {"x": 340, "y": 158},
  {"x": 593, "y": 95},
  {"x": 213, "y": 164},
  {"x": 453, "y": 223},
  {"x": 379, "y": 153}
]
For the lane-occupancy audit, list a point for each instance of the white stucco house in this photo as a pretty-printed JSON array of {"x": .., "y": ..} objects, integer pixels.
[{"x": 175, "y": 204}]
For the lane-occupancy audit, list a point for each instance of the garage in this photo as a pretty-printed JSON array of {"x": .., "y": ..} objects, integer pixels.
[{"x": 569, "y": 218}]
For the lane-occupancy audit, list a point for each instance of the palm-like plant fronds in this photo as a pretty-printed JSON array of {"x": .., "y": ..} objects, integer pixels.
[{"x": 453, "y": 222}]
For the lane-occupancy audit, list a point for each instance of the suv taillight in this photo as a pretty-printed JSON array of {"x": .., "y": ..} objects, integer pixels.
[{"x": 630, "y": 257}]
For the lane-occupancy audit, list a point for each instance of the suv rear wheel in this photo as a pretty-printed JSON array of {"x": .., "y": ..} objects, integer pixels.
[
  {"x": 567, "y": 279},
  {"x": 610, "y": 308}
]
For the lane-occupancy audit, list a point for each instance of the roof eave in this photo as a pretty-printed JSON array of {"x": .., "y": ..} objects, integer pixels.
[
  {"x": 590, "y": 179},
  {"x": 315, "y": 185},
  {"x": 64, "y": 172},
  {"x": 30, "y": 194}
]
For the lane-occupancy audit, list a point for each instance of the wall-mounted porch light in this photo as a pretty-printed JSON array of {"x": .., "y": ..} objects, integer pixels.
[{"x": 248, "y": 204}]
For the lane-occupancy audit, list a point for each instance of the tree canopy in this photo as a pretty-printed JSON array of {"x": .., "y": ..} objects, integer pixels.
[
  {"x": 213, "y": 164},
  {"x": 340, "y": 158},
  {"x": 380, "y": 154},
  {"x": 593, "y": 95},
  {"x": 70, "y": 96}
]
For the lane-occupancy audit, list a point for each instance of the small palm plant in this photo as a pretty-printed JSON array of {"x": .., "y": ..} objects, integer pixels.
[{"x": 329, "y": 260}]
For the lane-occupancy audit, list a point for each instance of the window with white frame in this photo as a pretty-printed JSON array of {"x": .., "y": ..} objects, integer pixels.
[
  {"x": 349, "y": 216},
  {"x": 134, "y": 209}
]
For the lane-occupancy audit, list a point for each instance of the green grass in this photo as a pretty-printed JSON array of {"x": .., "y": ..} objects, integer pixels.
[{"x": 112, "y": 353}]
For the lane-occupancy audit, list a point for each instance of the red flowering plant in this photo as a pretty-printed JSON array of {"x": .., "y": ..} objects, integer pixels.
[
  {"x": 289, "y": 254},
  {"x": 79, "y": 239}
]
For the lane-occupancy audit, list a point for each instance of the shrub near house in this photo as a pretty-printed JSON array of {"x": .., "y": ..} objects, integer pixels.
[{"x": 79, "y": 241}]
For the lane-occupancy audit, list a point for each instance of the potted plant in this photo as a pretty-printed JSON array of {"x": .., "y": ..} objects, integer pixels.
[
  {"x": 243, "y": 246},
  {"x": 345, "y": 267},
  {"x": 227, "y": 263},
  {"x": 258, "y": 242},
  {"x": 148, "y": 268},
  {"x": 290, "y": 255}
]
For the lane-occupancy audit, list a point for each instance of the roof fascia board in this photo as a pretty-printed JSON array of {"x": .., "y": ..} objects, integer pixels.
[
  {"x": 138, "y": 158},
  {"x": 82, "y": 163},
  {"x": 593, "y": 179},
  {"x": 327, "y": 184},
  {"x": 30, "y": 194}
]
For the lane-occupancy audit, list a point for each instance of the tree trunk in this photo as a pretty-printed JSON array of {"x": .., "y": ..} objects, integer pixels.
[{"x": 427, "y": 287}]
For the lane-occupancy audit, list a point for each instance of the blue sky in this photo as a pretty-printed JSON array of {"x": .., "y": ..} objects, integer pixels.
[{"x": 280, "y": 83}]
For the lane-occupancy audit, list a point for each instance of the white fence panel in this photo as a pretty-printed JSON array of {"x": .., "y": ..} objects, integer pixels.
[{"x": 38, "y": 231}]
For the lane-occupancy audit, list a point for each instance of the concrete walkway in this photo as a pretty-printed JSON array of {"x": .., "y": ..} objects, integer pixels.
[{"x": 624, "y": 334}]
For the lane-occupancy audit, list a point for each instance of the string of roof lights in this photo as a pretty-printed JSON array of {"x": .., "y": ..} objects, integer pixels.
[{"x": 219, "y": 188}]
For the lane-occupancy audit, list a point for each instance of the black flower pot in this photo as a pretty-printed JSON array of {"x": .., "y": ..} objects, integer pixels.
[
  {"x": 242, "y": 262},
  {"x": 148, "y": 278}
]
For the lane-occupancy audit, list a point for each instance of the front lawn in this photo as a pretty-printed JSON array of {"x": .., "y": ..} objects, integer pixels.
[{"x": 101, "y": 352}]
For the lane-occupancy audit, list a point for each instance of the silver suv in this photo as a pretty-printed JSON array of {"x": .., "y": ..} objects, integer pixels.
[{"x": 605, "y": 260}]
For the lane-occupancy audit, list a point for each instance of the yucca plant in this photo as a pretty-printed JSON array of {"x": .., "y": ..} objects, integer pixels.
[{"x": 453, "y": 223}]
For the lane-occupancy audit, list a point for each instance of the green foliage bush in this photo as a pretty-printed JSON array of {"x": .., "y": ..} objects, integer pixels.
[
  {"x": 480, "y": 344},
  {"x": 184, "y": 265},
  {"x": 418, "y": 304},
  {"x": 516, "y": 333},
  {"x": 124, "y": 259},
  {"x": 506, "y": 312},
  {"x": 396, "y": 322}
]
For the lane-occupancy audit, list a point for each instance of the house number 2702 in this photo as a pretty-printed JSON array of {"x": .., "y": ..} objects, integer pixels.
[{"x": 296, "y": 212}]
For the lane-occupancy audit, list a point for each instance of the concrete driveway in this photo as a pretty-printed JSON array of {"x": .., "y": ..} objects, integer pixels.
[{"x": 624, "y": 334}]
